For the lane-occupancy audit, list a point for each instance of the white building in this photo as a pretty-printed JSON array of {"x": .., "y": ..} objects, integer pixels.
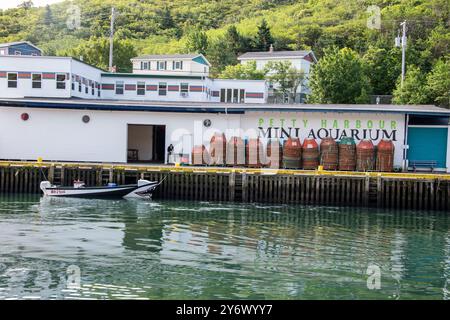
[
  {"x": 64, "y": 77},
  {"x": 300, "y": 60},
  {"x": 175, "y": 64},
  {"x": 107, "y": 131}
]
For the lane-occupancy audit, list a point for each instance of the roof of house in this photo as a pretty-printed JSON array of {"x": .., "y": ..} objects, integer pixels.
[
  {"x": 276, "y": 54},
  {"x": 9, "y": 44},
  {"x": 216, "y": 107}
]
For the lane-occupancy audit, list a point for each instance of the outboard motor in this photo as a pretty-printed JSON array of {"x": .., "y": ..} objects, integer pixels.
[{"x": 44, "y": 186}]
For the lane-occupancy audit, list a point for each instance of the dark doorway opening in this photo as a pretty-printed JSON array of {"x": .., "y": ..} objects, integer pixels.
[{"x": 146, "y": 143}]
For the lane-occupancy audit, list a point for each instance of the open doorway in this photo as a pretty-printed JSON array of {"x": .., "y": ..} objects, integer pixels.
[{"x": 146, "y": 143}]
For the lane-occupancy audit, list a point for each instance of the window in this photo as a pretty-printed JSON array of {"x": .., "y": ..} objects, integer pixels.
[
  {"x": 119, "y": 87},
  {"x": 145, "y": 65},
  {"x": 141, "y": 88},
  {"x": 12, "y": 80},
  {"x": 177, "y": 65},
  {"x": 162, "y": 65},
  {"x": 60, "y": 81},
  {"x": 235, "y": 95},
  {"x": 162, "y": 89},
  {"x": 36, "y": 80},
  {"x": 241, "y": 96},
  {"x": 184, "y": 88},
  {"x": 93, "y": 88},
  {"x": 98, "y": 93},
  {"x": 79, "y": 87},
  {"x": 3, "y": 52},
  {"x": 86, "y": 89},
  {"x": 222, "y": 95}
]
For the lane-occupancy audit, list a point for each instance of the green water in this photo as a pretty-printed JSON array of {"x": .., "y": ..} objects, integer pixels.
[{"x": 186, "y": 250}]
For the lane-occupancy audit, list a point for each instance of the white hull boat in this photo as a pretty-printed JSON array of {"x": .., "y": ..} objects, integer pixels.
[{"x": 143, "y": 189}]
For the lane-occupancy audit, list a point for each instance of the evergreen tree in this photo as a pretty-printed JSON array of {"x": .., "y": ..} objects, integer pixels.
[
  {"x": 414, "y": 90},
  {"x": 197, "y": 42},
  {"x": 339, "y": 77},
  {"x": 263, "y": 37},
  {"x": 48, "y": 16},
  {"x": 220, "y": 56},
  {"x": 166, "y": 19},
  {"x": 438, "y": 83},
  {"x": 236, "y": 41}
]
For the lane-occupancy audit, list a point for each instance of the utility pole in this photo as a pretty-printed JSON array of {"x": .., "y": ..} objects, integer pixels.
[
  {"x": 111, "y": 39},
  {"x": 402, "y": 42}
]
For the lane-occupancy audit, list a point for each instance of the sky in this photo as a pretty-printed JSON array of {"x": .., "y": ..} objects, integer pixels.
[{"x": 5, "y": 4}]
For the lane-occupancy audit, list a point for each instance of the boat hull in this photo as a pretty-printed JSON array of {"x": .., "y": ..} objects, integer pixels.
[{"x": 141, "y": 190}]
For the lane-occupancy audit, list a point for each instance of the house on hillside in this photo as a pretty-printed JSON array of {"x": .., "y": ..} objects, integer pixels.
[
  {"x": 21, "y": 48},
  {"x": 301, "y": 60},
  {"x": 172, "y": 64}
]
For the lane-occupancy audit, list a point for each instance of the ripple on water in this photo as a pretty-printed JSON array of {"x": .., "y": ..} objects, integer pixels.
[{"x": 176, "y": 250}]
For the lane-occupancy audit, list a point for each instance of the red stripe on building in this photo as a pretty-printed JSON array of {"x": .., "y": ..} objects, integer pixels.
[
  {"x": 24, "y": 75},
  {"x": 130, "y": 87},
  {"x": 2, "y": 74},
  {"x": 152, "y": 87},
  {"x": 196, "y": 88},
  {"x": 48, "y": 75},
  {"x": 258, "y": 95},
  {"x": 106, "y": 86},
  {"x": 174, "y": 88}
]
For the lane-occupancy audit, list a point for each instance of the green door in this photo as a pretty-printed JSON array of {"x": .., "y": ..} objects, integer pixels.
[{"x": 428, "y": 144}]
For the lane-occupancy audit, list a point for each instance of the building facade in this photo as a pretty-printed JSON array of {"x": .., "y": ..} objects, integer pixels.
[
  {"x": 64, "y": 77},
  {"x": 107, "y": 131},
  {"x": 300, "y": 60}
]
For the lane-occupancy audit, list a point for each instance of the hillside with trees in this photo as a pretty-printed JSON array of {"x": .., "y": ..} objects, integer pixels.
[{"x": 337, "y": 31}]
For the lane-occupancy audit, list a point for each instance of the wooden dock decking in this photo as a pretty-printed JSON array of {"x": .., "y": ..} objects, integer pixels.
[{"x": 316, "y": 187}]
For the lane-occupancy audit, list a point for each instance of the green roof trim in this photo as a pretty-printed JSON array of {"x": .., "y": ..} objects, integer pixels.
[
  {"x": 201, "y": 59},
  {"x": 152, "y": 76}
]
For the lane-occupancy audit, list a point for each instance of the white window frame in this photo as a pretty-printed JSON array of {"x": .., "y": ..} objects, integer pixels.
[
  {"x": 184, "y": 91},
  {"x": 142, "y": 85},
  {"x": 180, "y": 65},
  {"x": 36, "y": 81},
  {"x": 162, "y": 65},
  {"x": 122, "y": 85},
  {"x": 162, "y": 88},
  {"x": 13, "y": 81},
  {"x": 61, "y": 82}
]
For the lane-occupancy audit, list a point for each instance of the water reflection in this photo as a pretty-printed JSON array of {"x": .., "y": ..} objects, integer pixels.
[{"x": 168, "y": 250}]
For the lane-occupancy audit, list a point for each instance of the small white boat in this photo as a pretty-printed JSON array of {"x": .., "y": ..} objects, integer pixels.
[{"x": 143, "y": 189}]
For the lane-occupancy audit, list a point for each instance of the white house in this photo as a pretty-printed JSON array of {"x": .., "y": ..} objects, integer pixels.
[
  {"x": 64, "y": 77},
  {"x": 172, "y": 64},
  {"x": 301, "y": 60}
]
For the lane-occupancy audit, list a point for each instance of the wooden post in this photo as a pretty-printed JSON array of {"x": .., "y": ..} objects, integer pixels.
[
  {"x": 231, "y": 185},
  {"x": 244, "y": 187},
  {"x": 51, "y": 173}
]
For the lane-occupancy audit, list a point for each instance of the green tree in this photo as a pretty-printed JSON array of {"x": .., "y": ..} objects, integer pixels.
[
  {"x": 339, "y": 77},
  {"x": 48, "y": 16},
  {"x": 26, "y": 5},
  {"x": 285, "y": 77},
  {"x": 95, "y": 51},
  {"x": 238, "y": 43},
  {"x": 383, "y": 67},
  {"x": 264, "y": 37},
  {"x": 246, "y": 71},
  {"x": 414, "y": 90},
  {"x": 220, "y": 56},
  {"x": 438, "y": 83},
  {"x": 166, "y": 19},
  {"x": 197, "y": 42}
]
